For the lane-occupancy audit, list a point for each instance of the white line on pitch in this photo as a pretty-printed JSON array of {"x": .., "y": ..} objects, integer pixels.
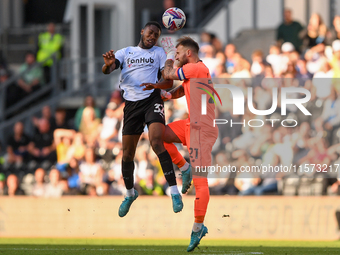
[{"x": 100, "y": 249}]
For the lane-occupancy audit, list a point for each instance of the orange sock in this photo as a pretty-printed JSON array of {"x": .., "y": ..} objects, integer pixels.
[
  {"x": 199, "y": 219},
  {"x": 176, "y": 157},
  {"x": 202, "y": 198}
]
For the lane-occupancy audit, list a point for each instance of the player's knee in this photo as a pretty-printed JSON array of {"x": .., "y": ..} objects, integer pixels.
[
  {"x": 127, "y": 156},
  {"x": 157, "y": 146}
]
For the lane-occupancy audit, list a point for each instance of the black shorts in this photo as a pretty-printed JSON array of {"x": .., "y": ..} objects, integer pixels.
[{"x": 145, "y": 111}]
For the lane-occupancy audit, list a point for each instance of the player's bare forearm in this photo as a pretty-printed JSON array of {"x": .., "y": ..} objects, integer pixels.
[
  {"x": 164, "y": 84},
  {"x": 108, "y": 69},
  {"x": 169, "y": 72},
  {"x": 177, "y": 92}
]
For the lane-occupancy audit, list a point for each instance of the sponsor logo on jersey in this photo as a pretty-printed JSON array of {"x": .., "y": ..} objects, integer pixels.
[{"x": 130, "y": 61}]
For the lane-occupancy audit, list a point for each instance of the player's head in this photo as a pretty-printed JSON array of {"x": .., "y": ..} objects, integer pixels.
[
  {"x": 150, "y": 34},
  {"x": 186, "y": 48}
]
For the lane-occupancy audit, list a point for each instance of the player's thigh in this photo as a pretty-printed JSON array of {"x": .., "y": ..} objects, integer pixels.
[
  {"x": 201, "y": 143},
  {"x": 207, "y": 141},
  {"x": 154, "y": 109},
  {"x": 133, "y": 126},
  {"x": 133, "y": 121},
  {"x": 170, "y": 136},
  {"x": 175, "y": 132},
  {"x": 156, "y": 131}
]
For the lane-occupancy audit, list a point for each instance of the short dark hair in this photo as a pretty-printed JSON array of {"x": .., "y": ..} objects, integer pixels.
[
  {"x": 153, "y": 23},
  {"x": 187, "y": 41},
  {"x": 29, "y": 52}
]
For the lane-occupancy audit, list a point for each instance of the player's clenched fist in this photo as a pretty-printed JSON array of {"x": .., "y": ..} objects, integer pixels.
[{"x": 165, "y": 95}]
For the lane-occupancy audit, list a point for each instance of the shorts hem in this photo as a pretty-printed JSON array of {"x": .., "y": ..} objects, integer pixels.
[
  {"x": 132, "y": 133},
  {"x": 155, "y": 121}
]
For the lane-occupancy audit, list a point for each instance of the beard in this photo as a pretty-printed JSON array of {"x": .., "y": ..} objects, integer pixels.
[
  {"x": 143, "y": 44},
  {"x": 180, "y": 63}
]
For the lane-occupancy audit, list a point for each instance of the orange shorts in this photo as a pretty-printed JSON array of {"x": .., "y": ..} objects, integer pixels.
[
  {"x": 199, "y": 141},
  {"x": 182, "y": 129}
]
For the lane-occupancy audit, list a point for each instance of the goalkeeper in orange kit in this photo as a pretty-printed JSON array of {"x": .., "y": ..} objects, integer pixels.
[{"x": 198, "y": 132}]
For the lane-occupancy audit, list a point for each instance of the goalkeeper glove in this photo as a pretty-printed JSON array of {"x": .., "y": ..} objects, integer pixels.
[{"x": 169, "y": 48}]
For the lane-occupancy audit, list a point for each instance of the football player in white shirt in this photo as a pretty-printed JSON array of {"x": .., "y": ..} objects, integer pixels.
[{"x": 142, "y": 64}]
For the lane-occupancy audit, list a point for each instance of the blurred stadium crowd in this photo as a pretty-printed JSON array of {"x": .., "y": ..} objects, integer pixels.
[{"x": 82, "y": 155}]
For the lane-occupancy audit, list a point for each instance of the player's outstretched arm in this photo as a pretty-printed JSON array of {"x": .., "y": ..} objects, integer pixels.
[
  {"x": 169, "y": 72},
  {"x": 109, "y": 60},
  {"x": 163, "y": 84},
  {"x": 173, "y": 94}
]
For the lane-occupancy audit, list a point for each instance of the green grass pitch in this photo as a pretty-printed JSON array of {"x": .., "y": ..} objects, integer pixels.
[{"x": 84, "y": 246}]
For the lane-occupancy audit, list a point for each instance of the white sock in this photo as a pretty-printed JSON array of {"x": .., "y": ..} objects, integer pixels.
[
  {"x": 185, "y": 167},
  {"x": 197, "y": 227},
  {"x": 174, "y": 189},
  {"x": 130, "y": 192}
]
